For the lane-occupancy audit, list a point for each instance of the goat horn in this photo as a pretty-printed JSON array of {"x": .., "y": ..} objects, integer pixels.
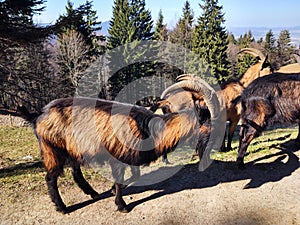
[
  {"x": 171, "y": 89},
  {"x": 185, "y": 77},
  {"x": 254, "y": 52},
  {"x": 297, "y": 57},
  {"x": 202, "y": 89}
]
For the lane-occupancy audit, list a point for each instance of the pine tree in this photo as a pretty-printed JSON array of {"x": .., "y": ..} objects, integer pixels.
[
  {"x": 270, "y": 48},
  {"x": 231, "y": 39},
  {"x": 85, "y": 21},
  {"x": 246, "y": 40},
  {"x": 284, "y": 47},
  {"x": 182, "y": 34},
  {"x": 210, "y": 40},
  {"x": 119, "y": 24},
  {"x": 161, "y": 33},
  {"x": 16, "y": 21},
  {"x": 24, "y": 63},
  {"x": 141, "y": 23},
  {"x": 130, "y": 24}
]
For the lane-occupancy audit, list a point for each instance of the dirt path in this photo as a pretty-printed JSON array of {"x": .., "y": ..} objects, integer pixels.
[{"x": 267, "y": 192}]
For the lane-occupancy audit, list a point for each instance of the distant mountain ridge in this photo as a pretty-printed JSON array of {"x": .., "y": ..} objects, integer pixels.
[{"x": 257, "y": 32}]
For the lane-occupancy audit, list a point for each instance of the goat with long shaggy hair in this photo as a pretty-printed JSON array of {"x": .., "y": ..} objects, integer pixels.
[
  {"x": 80, "y": 130},
  {"x": 266, "y": 101},
  {"x": 174, "y": 99},
  {"x": 233, "y": 88}
]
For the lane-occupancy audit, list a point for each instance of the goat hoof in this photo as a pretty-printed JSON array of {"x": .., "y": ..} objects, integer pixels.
[
  {"x": 166, "y": 162},
  {"x": 95, "y": 196},
  {"x": 123, "y": 209},
  {"x": 240, "y": 163},
  {"x": 63, "y": 210}
]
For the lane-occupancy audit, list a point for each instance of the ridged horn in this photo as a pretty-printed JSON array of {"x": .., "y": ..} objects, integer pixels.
[
  {"x": 297, "y": 57},
  {"x": 202, "y": 89},
  {"x": 185, "y": 77},
  {"x": 194, "y": 84},
  {"x": 254, "y": 52},
  {"x": 172, "y": 89}
]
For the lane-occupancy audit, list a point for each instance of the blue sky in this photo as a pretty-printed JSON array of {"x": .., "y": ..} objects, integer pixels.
[{"x": 238, "y": 13}]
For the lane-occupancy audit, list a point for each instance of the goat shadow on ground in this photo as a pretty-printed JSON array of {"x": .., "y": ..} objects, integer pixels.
[
  {"x": 284, "y": 164},
  {"x": 21, "y": 168}
]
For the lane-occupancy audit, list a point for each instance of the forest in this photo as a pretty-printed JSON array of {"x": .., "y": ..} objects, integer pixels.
[{"x": 41, "y": 63}]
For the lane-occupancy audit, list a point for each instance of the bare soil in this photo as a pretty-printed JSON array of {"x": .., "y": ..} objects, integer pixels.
[{"x": 266, "y": 192}]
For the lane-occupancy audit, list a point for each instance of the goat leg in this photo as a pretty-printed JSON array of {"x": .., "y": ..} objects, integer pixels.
[
  {"x": 136, "y": 173},
  {"x": 231, "y": 129},
  {"x": 82, "y": 183},
  {"x": 51, "y": 179},
  {"x": 164, "y": 159},
  {"x": 298, "y": 136},
  {"x": 119, "y": 199}
]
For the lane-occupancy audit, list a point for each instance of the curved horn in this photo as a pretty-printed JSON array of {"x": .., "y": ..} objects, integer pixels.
[
  {"x": 185, "y": 77},
  {"x": 201, "y": 88},
  {"x": 216, "y": 107},
  {"x": 297, "y": 57},
  {"x": 172, "y": 88},
  {"x": 254, "y": 52}
]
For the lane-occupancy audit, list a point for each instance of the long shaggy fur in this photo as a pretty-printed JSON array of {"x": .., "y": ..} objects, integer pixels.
[
  {"x": 80, "y": 130},
  {"x": 268, "y": 100},
  {"x": 231, "y": 89}
]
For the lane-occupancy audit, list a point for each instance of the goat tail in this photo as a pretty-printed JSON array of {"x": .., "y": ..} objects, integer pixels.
[{"x": 28, "y": 116}]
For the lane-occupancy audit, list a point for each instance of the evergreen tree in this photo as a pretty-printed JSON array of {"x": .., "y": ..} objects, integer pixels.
[
  {"x": 270, "y": 48},
  {"x": 284, "y": 47},
  {"x": 25, "y": 73},
  {"x": 131, "y": 23},
  {"x": 231, "y": 38},
  {"x": 183, "y": 32},
  {"x": 16, "y": 21},
  {"x": 161, "y": 33},
  {"x": 246, "y": 40},
  {"x": 210, "y": 40},
  {"x": 141, "y": 23},
  {"x": 85, "y": 21},
  {"x": 162, "y": 70},
  {"x": 119, "y": 24},
  {"x": 243, "y": 62}
]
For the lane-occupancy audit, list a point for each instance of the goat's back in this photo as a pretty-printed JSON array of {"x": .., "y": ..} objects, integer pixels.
[
  {"x": 281, "y": 91},
  {"x": 274, "y": 85},
  {"x": 86, "y": 127}
]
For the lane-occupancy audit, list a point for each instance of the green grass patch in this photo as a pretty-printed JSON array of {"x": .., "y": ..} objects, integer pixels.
[{"x": 267, "y": 143}]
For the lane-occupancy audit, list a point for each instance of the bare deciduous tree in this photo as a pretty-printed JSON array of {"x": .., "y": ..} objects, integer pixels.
[{"x": 72, "y": 57}]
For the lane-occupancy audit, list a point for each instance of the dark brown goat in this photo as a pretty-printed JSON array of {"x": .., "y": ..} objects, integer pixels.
[
  {"x": 266, "y": 101},
  {"x": 232, "y": 89},
  {"x": 229, "y": 91},
  {"x": 81, "y": 130}
]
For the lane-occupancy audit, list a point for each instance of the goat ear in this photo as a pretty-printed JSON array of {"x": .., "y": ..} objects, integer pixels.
[{"x": 265, "y": 63}]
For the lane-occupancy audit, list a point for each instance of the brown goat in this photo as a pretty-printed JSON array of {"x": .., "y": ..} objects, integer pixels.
[
  {"x": 266, "y": 101},
  {"x": 229, "y": 91},
  {"x": 83, "y": 130},
  {"x": 177, "y": 99},
  {"x": 232, "y": 89}
]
